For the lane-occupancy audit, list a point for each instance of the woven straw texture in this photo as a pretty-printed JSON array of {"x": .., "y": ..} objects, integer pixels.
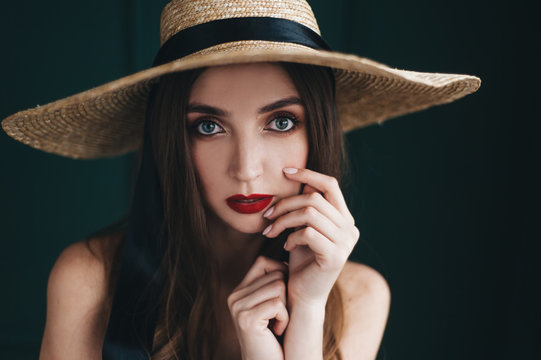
[{"x": 108, "y": 120}]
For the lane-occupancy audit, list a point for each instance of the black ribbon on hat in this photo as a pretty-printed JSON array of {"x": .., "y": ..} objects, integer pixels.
[
  {"x": 140, "y": 282},
  {"x": 202, "y": 36}
]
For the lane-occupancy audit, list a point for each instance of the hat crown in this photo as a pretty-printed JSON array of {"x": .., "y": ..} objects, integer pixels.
[{"x": 182, "y": 14}]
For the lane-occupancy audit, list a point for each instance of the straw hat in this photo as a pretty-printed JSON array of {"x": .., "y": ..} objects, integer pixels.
[{"x": 108, "y": 120}]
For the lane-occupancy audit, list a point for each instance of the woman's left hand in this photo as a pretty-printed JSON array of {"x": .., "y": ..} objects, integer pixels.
[{"x": 324, "y": 236}]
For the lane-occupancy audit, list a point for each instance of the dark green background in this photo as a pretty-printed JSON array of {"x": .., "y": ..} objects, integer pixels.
[{"x": 444, "y": 197}]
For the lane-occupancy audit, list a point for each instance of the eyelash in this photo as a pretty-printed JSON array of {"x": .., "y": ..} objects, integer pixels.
[
  {"x": 195, "y": 127},
  {"x": 288, "y": 116},
  {"x": 291, "y": 117}
]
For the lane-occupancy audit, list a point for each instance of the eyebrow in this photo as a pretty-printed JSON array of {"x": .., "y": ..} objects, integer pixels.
[{"x": 211, "y": 110}]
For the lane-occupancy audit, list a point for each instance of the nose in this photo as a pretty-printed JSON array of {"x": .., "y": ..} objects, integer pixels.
[{"x": 247, "y": 159}]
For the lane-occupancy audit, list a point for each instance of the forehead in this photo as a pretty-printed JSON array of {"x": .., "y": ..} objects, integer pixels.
[{"x": 221, "y": 84}]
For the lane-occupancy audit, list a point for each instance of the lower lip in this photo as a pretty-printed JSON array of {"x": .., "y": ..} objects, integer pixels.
[{"x": 249, "y": 207}]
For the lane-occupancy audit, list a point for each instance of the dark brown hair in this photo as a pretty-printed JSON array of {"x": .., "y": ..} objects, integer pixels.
[{"x": 186, "y": 327}]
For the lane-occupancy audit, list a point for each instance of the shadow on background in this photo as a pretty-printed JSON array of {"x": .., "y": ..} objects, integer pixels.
[{"x": 443, "y": 198}]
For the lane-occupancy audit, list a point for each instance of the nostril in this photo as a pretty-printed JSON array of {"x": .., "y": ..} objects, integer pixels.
[{"x": 247, "y": 164}]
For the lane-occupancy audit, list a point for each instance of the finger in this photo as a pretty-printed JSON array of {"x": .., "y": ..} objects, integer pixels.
[
  {"x": 262, "y": 265},
  {"x": 275, "y": 289},
  {"x": 313, "y": 199},
  {"x": 259, "y": 316},
  {"x": 326, "y": 254},
  {"x": 328, "y": 185},
  {"x": 255, "y": 286},
  {"x": 307, "y": 216},
  {"x": 309, "y": 189},
  {"x": 310, "y": 237},
  {"x": 281, "y": 321}
]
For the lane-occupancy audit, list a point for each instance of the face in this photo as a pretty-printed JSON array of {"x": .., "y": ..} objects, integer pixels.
[{"x": 246, "y": 123}]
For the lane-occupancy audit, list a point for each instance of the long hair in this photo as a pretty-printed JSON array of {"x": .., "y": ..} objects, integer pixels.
[{"x": 186, "y": 325}]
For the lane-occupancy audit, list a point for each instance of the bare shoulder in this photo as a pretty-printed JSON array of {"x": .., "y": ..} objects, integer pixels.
[
  {"x": 366, "y": 297},
  {"x": 79, "y": 299},
  {"x": 359, "y": 280}
]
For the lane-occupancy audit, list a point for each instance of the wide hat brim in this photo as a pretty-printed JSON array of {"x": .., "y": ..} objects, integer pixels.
[{"x": 108, "y": 120}]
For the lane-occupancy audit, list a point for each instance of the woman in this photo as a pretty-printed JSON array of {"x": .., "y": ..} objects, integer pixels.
[
  {"x": 245, "y": 152},
  {"x": 186, "y": 279}
]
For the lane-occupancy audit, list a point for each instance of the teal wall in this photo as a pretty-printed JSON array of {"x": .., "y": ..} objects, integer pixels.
[{"x": 442, "y": 197}]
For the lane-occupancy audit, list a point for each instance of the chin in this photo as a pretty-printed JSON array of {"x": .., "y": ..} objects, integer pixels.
[{"x": 246, "y": 225}]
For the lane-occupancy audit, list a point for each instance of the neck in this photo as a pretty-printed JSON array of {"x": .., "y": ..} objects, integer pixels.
[{"x": 235, "y": 251}]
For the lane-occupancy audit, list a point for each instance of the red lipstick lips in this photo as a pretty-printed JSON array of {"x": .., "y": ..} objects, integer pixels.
[{"x": 249, "y": 204}]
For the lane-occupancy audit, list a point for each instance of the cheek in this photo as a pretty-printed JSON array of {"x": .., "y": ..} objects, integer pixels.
[
  {"x": 207, "y": 166},
  {"x": 293, "y": 153}
]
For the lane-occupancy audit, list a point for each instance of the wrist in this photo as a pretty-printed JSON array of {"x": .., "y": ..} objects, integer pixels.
[
  {"x": 308, "y": 314},
  {"x": 310, "y": 305},
  {"x": 304, "y": 335}
]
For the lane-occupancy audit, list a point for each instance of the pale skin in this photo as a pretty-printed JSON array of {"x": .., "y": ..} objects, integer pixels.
[{"x": 258, "y": 144}]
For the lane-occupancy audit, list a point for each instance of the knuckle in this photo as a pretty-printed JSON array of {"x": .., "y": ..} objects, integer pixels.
[
  {"x": 230, "y": 301},
  {"x": 236, "y": 307},
  {"x": 308, "y": 231},
  {"x": 279, "y": 285},
  {"x": 314, "y": 197},
  {"x": 276, "y": 304},
  {"x": 356, "y": 233},
  {"x": 309, "y": 211},
  {"x": 332, "y": 181},
  {"x": 262, "y": 262},
  {"x": 233, "y": 308},
  {"x": 280, "y": 274}
]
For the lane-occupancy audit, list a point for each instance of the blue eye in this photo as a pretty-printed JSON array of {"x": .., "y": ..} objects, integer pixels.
[
  {"x": 207, "y": 127},
  {"x": 283, "y": 123}
]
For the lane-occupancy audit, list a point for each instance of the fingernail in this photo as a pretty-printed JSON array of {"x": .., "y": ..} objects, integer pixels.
[
  {"x": 268, "y": 212},
  {"x": 266, "y": 231},
  {"x": 285, "y": 245},
  {"x": 290, "y": 170}
]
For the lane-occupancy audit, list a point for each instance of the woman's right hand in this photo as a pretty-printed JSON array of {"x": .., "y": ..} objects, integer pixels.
[{"x": 258, "y": 299}]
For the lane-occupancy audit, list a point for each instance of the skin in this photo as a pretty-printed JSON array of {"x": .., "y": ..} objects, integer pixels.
[{"x": 246, "y": 152}]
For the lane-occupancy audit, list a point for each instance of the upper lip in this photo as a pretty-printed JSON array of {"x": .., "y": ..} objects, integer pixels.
[{"x": 249, "y": 197}]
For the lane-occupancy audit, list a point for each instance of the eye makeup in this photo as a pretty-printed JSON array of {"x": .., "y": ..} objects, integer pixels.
[{"x": 280, "y": 116}]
